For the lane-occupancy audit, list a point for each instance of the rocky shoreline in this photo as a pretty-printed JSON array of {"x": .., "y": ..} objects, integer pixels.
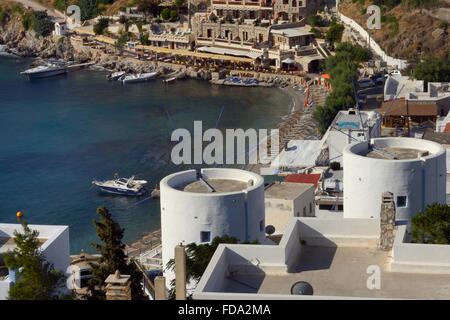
[{"x": 20, "y": 42}]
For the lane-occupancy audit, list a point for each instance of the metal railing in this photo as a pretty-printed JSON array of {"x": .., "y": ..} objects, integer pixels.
[{"x": 148, "y": 284}]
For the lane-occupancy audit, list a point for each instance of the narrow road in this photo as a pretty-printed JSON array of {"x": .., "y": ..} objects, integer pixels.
[{"x": 36, "y": 6}]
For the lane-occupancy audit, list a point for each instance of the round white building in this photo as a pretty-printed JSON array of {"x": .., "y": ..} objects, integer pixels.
[
  {"x": 196, "y": 207},
  {"x": 414, "y": 170}
]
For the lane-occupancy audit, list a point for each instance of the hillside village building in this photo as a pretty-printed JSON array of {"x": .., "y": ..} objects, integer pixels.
[
  {"x": 386, "y": 183},
  {"x": 272, "y": 31},
  {"x": 407, "y": 102}
]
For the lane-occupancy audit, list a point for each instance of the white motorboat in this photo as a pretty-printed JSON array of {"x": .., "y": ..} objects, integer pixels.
[
  {"x": 115, "y": 75},
  {"x": 122, "y": 186},
  {"x": 45, "y": 71},
  {"x": 139, "y": 77},
  {"x": 170, "y": 80}
]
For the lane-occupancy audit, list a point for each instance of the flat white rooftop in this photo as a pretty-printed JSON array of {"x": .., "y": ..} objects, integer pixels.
[
  {"x": 219, "y": 185},
  {"x": 292, "y": 32},
  {"x": 342, "y": 271},
  {"x": 337, "y": 257},
  {"x": 287, "y": 190}
]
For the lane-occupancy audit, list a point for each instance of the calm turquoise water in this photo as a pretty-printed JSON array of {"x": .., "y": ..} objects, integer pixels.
[{"x": 57, "y": 134}]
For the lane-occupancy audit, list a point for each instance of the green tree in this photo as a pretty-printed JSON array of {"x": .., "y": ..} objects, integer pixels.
[
  {"x": 323, "y": 115},
  {"x": 315, "y": 20},
  {"x": 41, "y": 23},
  {"x": 149, "y": 7},
  {"x": 112, "y": 258},
  {"x": 101, "y": 26},
  {"x": 433, "y": 69},
  {"x": 334, "y": 33},
  {"x": 88, "y": 8},
  {"x": 36, "y": 279},
  {"x": 165, "y": 14},
  {"x": 121, "y": 41},
  {"x": 27, "y": 20},
  {"x": 3, "y": 16},
  {"x": 143, "y": 38},
  {"x": 173, "y": 15},
  {"x": 432, "y": 225},
  {"x": 343, "y": 70},
  {"x": 180, "y": 3}
]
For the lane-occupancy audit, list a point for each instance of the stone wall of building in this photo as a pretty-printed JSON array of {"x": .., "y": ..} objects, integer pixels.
[
  {"x": 387, "y": 221},
  {"x": 292, "y": 10},
  {"x": 242, "y": 33}
]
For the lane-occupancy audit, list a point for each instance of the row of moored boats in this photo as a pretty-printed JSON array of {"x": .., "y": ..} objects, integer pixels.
[{"x": 54, "y": 69}]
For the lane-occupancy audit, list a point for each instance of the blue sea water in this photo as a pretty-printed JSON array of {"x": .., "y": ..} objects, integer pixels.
[{"x": 57, "y": 134}]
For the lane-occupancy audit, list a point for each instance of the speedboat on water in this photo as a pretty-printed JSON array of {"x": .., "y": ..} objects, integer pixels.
[
  {"x": 170, "y": 80},
  {"x": 139, "y": 77},
  {"x": 122, "y": 186},
  {"x": 45, "y": 71},
  {"x": 115, "y": 75}
]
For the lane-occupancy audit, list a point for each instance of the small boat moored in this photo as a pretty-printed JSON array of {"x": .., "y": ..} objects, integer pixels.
[
  {"x": 170, "y": 80},
  {"x": 122, "y": 186},
  {"x": 139, "y": 77},
  {"x": 115, "y": 75},
  {"x": 45, "y": 71}
]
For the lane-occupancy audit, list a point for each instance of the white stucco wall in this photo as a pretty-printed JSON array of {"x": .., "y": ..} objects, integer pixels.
[
  {"x": 417, "y": 257},
  {"x": 185, "y": 214},
  {"x": 422, "y": 180},
  {"x": 56, "y": 248},
  {"x": 278, "y": 259},
  {"x": 391, "y": 61},
  {"x": 4, "y": 288},
  {"x": 279, "y": 212}
]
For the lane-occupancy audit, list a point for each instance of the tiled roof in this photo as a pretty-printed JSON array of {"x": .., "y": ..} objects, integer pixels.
[{"x": 312, "y": 178}]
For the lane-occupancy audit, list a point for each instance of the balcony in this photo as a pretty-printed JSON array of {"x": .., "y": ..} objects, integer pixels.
[{"x": 305, "y": 50}]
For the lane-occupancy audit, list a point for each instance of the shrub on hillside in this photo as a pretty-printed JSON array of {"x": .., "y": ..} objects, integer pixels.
[{"x": 41, "y": 23}]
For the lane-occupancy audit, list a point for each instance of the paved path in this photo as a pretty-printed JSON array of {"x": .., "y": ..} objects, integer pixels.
[{"x": 36, "y": 6}]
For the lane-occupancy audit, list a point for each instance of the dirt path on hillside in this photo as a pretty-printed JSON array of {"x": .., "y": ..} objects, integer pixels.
[{"x": 36, "y": 6}]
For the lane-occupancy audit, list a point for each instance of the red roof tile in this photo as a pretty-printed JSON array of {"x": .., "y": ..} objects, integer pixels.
[
  {"x": 447, "y": 127},
  {"x": 312, "y": 178}
]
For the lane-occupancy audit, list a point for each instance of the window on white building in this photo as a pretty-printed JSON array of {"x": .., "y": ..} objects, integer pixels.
[
  {"x": 261, "y": 225},
  {"x": 205, "y": 236},
  {"x": 402, "y": 201}
]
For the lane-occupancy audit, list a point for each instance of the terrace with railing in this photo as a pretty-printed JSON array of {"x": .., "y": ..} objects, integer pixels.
[
  {"x": 260, "y": 3},
  {"x": 305, "y": 50}
]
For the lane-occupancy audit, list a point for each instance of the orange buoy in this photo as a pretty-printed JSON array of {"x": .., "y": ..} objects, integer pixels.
[{"x": 19, "y": 214}]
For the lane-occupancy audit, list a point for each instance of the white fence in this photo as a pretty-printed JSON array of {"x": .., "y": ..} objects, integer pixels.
[{"x": 390, "y": 61}]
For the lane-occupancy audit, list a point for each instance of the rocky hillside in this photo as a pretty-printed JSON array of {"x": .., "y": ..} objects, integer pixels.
[
  {"x": 406, "y": 32},
  {"x": 25, "y": 42}
]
